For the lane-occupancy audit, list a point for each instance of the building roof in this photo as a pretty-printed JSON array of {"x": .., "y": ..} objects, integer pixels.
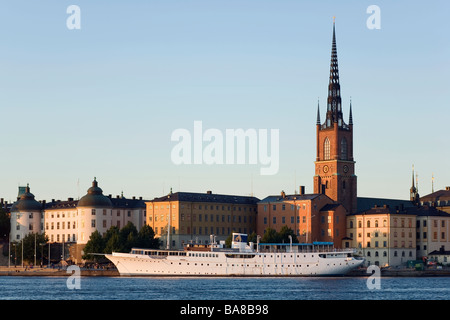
[
  {"x": 58, "y": 204},
  {"x": 292, "y": 197},
  {"x": 26, "y": 202},
  {"x": 207, "y": 197},
  {"x": 438, "y": 195},
  {"x": 365, "y": 203},
  {"x": 417, "y": 211},
  {"x": 124, "y": 203},
  {"x": 95, "y": 198},
  {"x": 439, "y": 252},
  {"x": 428, "y": 211},
  {"x": 330, "y": 207}
]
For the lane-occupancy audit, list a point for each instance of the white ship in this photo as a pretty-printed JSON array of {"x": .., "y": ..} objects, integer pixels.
[{"x": 316, "y": 259}]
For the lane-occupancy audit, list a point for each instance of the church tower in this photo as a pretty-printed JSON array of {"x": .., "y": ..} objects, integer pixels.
[
  {"x": 334, "y": 165},
  {"x": 414, "y": 192}
]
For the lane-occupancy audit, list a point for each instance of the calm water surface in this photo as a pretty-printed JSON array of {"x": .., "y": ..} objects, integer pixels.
[{"x": 110, "y": 288}]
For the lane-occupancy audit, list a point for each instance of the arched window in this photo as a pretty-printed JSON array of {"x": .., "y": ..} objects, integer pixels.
[
  {"x": 326, "y": 149},
  {"x": 343, "y": 149}
]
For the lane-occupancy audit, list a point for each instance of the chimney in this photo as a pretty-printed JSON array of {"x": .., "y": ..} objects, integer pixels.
[
  {"x": 140, "y": 198},
  {"x": 447, "y": 188},
  {"x": 209, "y": 192},
  {"x": 283, "y": 195},
  {"x": 302, "y": 190},
  {"x": 134, "y": 198}
]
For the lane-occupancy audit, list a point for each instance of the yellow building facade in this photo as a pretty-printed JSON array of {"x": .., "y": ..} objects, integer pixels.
[
  {"x": 383, "y": 236},
  {"x": 183, "y": 217}
]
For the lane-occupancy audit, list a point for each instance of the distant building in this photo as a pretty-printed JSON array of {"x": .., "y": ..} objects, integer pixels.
[
  {"x": 384, "y": 236},
  {"x": 432, "y": 230},
  {"x": 72, "y": 222},
  {"x": 196, "y": 216},
  {"x": 25, "y": 216},
  {"x": 440, "y": 256},
  {"x": 439, "y": 199},
  {"x": 312, "y": 217}
]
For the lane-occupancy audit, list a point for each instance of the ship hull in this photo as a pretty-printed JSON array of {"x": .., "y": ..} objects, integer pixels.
[{"x": 220, "y": 264}]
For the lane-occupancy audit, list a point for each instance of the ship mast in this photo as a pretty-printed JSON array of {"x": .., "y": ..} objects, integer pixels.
[{"x": 168, "y": 224}]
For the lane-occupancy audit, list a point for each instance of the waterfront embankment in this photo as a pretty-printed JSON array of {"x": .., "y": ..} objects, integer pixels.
[{"x": 55, "y": 272}]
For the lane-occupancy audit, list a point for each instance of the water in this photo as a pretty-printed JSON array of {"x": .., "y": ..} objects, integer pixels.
[{"x": 122, "y": 288}]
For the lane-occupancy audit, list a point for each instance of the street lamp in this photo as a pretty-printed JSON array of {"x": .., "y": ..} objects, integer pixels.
[
  {"x": 15, "y": 254},
  {"x": 42, "y": 253}
]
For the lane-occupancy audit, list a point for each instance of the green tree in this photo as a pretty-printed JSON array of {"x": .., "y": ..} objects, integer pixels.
[
  {"x": 284, "y": 234},
  {"x": 146, "y": 238},
  {"x": 31, "y": 244},
  {"x": 253, "y": 237},
  {"x": 128, "y": 237},
  {"x": 271, "y": 236},
  {"x": 5, "y": 224},
  {"x": 95, "y": 244},
  {"x": 112, "y": 240}
]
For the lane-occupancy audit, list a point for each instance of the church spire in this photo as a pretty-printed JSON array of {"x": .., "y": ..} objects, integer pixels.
[
  {"x": 350, "y": 117},
  {"x": 334, "y": 109},
  {"x": 318, "y": 113},
  {"x": 414, "y": 192}
]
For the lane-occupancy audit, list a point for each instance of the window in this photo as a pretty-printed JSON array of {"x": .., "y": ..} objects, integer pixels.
[
  {"x": 93, "y": 212},
  {"x": 343, "y": 149},
  {"x": 326, "y": 149},
  {"x": 93, "y": 223}
]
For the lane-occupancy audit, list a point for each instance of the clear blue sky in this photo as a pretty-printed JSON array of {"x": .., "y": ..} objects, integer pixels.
[{"x": 103, "y": 100}]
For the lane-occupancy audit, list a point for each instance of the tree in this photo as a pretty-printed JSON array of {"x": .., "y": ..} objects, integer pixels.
[
  {"x": 95, "y": 244},
  {"x": 271, "y": 236},
  {"x": 146, "y": 238},
  {"x": 112, "y": 240},
  {"x": 5, "y": 224},
  {"x": 128, "y": 237},
  {"x": 284, "y": 234},
  {"x": 31, "y": 245}
]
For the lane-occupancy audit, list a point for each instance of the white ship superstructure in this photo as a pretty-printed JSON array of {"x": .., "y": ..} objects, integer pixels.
[{"x": 316, "y": 259}]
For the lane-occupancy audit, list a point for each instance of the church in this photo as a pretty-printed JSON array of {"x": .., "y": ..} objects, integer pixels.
[{"x": 321, "y": 216}]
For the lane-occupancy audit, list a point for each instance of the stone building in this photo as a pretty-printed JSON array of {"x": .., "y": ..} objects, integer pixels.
[{"x": 183, "y": 217}]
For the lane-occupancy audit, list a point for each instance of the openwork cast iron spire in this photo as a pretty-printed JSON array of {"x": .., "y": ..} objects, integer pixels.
[{"x": 334, "y": 105}]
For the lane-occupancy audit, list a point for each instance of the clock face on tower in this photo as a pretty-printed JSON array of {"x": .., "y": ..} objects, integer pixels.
[
  {"x": 325, "y": 169},
  {"x": 345, "y": 168}
]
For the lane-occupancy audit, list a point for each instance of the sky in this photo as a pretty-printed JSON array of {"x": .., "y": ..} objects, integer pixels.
[{"x": 104, "y": 100}]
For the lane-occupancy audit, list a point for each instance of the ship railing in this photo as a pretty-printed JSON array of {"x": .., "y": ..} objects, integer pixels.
[{"x": 305, "y": 250}]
